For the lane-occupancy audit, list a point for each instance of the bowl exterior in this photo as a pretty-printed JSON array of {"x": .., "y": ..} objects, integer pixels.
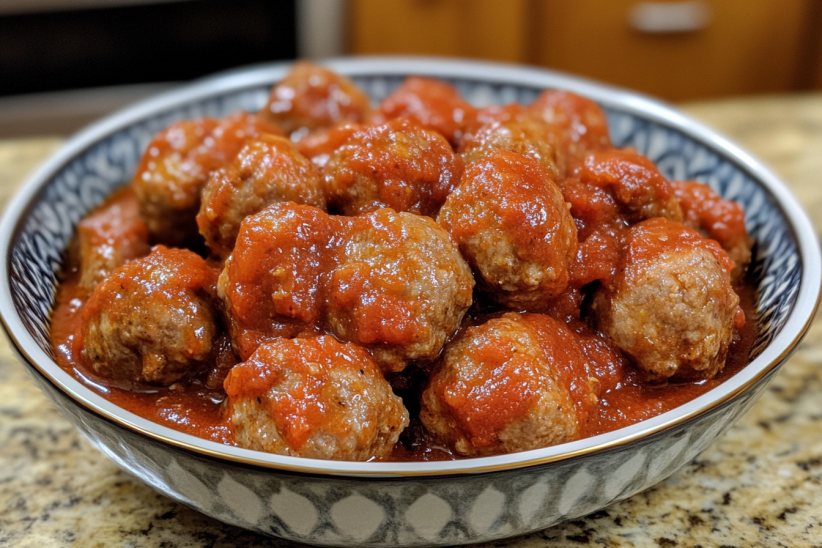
[
  {"x": 410, "y": 511},
  {"x": 323, "y": 508}
]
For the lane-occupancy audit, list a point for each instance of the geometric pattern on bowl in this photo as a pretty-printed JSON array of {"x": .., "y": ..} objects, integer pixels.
[{"x": 340, "y": 511}]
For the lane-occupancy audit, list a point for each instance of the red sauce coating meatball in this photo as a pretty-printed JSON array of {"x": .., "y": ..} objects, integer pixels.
[
  {"x": 635, "y": 182},
  {"x": 434, "y": 104},
  {"x": 109, "y": 237},
  {"x": 267, "y": 170},
  {"x": 716, "y": 218},
  {"x": 397, "y": 165},
  {"x": 152, "y": 320},
  {"x": 512, "y": 226},
  {"x": 514, "y": 128},
  {"x": 315, "y": 398},
  {"x": 671, "y": 307},
  {"x": 509, "y": 385},
  {"x": 319, "y": 145},
  {"x": 272, "y": 283},
  {"x": 312, "y": 97},
  {"x": 583, "y": 123},
  {"x": 176, "y": 165},
  {"x": 393, "y": 282},
  {"x": 400, "y": 288}
]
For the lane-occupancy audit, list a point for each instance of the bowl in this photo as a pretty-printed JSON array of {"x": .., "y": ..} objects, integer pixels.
[{"x": 420, "y": 503}]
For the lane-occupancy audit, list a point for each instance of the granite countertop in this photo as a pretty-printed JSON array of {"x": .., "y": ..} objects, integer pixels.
[{"x": 758, "y": 485}]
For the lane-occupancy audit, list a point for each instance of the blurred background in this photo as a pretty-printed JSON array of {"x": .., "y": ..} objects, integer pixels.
[{"x": 64, "y": 63}]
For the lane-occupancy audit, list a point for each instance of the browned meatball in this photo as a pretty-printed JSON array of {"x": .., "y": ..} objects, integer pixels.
[
  {"x": 312, "y": 97},
  {"x": 434, "y": 104},
  {"x": 512, "y": 384},
  {"x": 634, "y": 181},
  {"x": 716, "y": 218},
  {"x": 398, "y": 165},
  {"x": 394, "y": 283},
  {"x": 671, "y": 307},
  {"x": 319, "y": 145},
  {"x": 315, "y": 398},
  {"x": 401, "y": 288},
  {"x": 272, "y": 284},
  {"x": 584, "y": 125},
  {"x": 110, "y": 236},
  {"x": 152, "y": 320},
  {"x": 267, "y": 170},
  {"x": 176, "y": 166},
  {"x": 512, "y": 226},
  {"x": 516, "y": 129}
]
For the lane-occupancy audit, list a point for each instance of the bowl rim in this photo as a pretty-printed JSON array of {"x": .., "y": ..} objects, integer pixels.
[{"x": 779, "y": 349}]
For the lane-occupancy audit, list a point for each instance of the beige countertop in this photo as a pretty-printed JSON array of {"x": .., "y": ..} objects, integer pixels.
[{"x": 758, "y": 485}]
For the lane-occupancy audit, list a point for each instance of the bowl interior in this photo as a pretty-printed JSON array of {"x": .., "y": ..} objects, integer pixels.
[{"x": 103, "y": 158}]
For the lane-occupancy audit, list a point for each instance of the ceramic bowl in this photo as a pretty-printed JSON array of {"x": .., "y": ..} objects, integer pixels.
[{"x": 405, "y": 504}]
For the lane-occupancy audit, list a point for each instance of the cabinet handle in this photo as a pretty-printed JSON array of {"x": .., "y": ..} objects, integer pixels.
[{"x": 669, "y": 17}]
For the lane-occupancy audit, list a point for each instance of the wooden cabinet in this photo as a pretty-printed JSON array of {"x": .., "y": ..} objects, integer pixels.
[
  {"x": 677, "y": 50},
  {"x": 488, "y": 29},
  {"x": 740, "y": 47}
]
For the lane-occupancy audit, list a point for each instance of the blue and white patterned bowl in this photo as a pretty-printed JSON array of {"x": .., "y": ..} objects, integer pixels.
[{"x": 393, "y": 504}]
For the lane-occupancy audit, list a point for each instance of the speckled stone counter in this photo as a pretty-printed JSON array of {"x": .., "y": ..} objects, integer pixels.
[{"x": 759, "y": 485}]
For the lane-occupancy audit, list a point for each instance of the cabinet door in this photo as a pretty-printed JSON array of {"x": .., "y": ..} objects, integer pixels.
[
  {"x": 489, "y": 29},
  {"x": 676, "y": 50}
]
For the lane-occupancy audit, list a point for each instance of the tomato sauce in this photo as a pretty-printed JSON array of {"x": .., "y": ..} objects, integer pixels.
[
  {"x": 193, "y": 408},
  {"x": 606, "y": 193}
]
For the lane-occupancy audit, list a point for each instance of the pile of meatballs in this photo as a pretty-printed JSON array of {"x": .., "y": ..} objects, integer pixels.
[{"x": 320, "y": 256}]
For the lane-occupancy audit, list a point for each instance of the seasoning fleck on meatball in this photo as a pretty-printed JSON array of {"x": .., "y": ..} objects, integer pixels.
[
  {"x": 152, "y": 320},
  {"x": 401, "y": 288},
  {"x": 110, "y": 236},
  {"x": 392, "y": 282},
  {"x": 434, "y": 104},
  {"x": 513, "y": 227},
  {"x": 313, "y": 398},
  {"x": 512, "y": 384},
  {"x": 176, "y": 166},
  {"x": 584, "y": 126},
  {"x": 514, "y": 128},
  {"x": 312, "y": 97},
  {"x": 635, "y": 183},
  {"x": 267, "y": 170},
  {"x": 718, "y": 219},
  {"x": 671, "y": 308},
  {"x": 398, "y": 165}
]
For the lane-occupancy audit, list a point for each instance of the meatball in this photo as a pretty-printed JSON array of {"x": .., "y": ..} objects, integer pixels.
[
  {"x": 434, "y": 104},
  {"x": 267, "y": 170},
  {"x": 513, "y": 227},
  {"x": 671, "y": 307},
  {"x": 321, "y": 144},
  {"x": 398, "y": 165},
  {"x": 312, "y": 97},
  {"x": 635, "y": 182},
  {"x": 584, "y": 126},
  {"x": 392, "y": 282},
  {"x": 272, "y": 285},
  {"x": 176, "y": 165},
  {"x": 110, "y": 236},
  {"x": 152, "y": 320},
  {"x": 514, "y": 128},
  {"x": 315, "y": 398},
  {"x": 506, "y": 386},
  {"x": 716, "y": 218},
  {"x": 401, "y": 288}
]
